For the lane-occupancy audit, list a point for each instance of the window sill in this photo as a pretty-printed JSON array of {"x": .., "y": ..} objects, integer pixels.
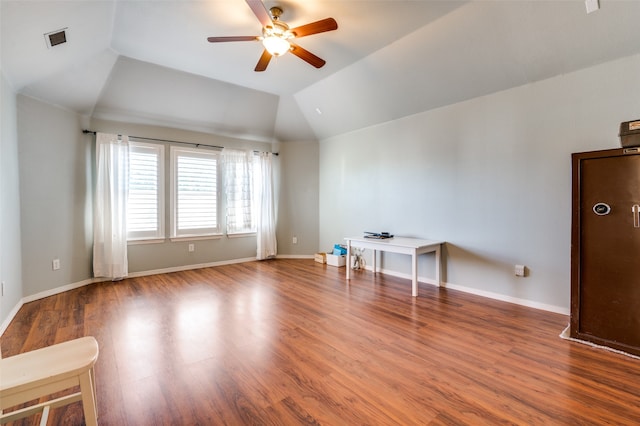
[
  {"x": 191, "y": 238},
  {"x": 241, "y": 235},
  {"x": 149, "y": 241},
  {"x": 197, "y": 237}
]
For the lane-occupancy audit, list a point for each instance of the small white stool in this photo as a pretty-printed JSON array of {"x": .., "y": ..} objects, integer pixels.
[{"x": 42, "y": 372}]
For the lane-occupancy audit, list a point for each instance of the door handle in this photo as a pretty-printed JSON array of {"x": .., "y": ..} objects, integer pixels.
[{"x": 635, "y": 209}]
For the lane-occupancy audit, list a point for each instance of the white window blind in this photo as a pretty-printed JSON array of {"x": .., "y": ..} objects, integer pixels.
[
  {"x": 145, "y": 209},
  {"x": 195, "y": 192}
]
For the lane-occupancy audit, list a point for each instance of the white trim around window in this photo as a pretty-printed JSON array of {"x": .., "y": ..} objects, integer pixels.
[
  {"x": 195, "y": 177},
  {"x": 145, "y": 211}
]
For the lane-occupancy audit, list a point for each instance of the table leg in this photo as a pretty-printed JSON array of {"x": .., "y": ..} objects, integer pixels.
[
  {"x": 438, "y": 266},
  {"x": 414, "y": 274},
  {"x": 373, "y": 261},
  {"x": 348, "y": 265}
]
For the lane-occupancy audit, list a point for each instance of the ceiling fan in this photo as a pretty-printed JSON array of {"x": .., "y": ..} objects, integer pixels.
[{"x": 277, "y": 36}]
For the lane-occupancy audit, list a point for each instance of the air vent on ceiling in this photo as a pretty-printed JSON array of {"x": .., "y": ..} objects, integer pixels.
[{"x": 55, "y": 38}]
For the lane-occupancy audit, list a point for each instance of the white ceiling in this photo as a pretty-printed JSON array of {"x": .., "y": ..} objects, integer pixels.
[{"x": 149, "y": 61}]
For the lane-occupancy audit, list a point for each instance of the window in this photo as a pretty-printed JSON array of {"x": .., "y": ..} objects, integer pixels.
[
  {"x": 196, "y": 178},
  {"x": 194, "y": 194},
  {"x": 145, "y": 211},
  {"x": 238, "y": 168}
]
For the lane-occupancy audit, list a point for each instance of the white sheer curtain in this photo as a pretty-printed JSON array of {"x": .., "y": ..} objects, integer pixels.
[
  {"x": 265, "y": 218},
  {"x": 238, "y": 189},
  {"x": 110, "y": 207}
]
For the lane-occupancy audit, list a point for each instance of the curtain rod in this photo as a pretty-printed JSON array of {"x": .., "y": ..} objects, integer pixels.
[{"x": 197, "y": 145}]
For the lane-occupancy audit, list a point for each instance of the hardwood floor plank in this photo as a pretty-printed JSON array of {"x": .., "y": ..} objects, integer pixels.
[
  {"x": 288, "y": 412},
  {"x": 291, "y": 342}
]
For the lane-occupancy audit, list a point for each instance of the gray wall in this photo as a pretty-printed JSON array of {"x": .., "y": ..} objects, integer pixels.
[
  {"x": 55, "y": 204},
  {"x": 491, "y": 176},
  {"x": 151, "y": 257},
  {"x": 10, "y": 252},
  {"x": 299, "y": 204},
  {"x": 56, "y": 180}
]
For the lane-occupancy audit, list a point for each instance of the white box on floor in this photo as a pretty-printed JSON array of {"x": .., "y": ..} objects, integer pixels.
[{"x": 334, "y": 260}]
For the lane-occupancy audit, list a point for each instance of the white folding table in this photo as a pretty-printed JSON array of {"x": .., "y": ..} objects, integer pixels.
[{"x": 412, "y": 246}]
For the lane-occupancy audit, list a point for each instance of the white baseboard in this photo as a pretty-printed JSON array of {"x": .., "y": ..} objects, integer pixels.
[
  {"x": 73, "y": 286},
  {"x": 189, "y": 267},
  {"x": 295, "y": 256},
  {"x": 566, "y": 334},
  {"x": 518, "y": 301},
  {"x": 10, "y": 317},
  {"x": 488, "y": 294},
  {"x": 60, "y": 289}
]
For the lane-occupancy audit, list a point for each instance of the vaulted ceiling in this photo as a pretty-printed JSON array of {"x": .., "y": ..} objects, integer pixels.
[{"x": 149, "y": 61}]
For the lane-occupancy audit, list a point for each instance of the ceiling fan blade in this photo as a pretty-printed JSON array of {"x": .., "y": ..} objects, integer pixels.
[
  {"x": 322, "y": 26},
  {"x": 231, "y": 38},
  {"x": 263, "y": 61},
  {"x": 307, "y": 56},
  {"x": 260, "y": 11}
]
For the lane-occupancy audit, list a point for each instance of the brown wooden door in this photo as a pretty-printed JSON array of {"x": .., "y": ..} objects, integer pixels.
[{"x": 606, "y": 274}]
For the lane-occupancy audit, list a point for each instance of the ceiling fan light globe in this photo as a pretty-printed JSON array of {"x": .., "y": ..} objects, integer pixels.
[{"x": 276, "y": 46}]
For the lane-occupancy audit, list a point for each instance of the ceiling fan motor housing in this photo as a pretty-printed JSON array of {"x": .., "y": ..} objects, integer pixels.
[{"x": 276, "y": 12}]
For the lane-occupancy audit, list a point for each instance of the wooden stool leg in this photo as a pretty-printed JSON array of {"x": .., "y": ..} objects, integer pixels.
[
  {"x": 45, "y": 416},
  {"x": 95, "y": 392},
  {"x": 88, "y": 399}
]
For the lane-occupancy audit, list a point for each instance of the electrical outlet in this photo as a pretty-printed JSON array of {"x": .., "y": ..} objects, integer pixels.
[
  {"x": 56, "y": 264},
  {"x": 520, "y": 270},
  {"x": 192, "y": 248},
  {"x": 295, "y": 240},
  {"x": 592, "y": 5}
]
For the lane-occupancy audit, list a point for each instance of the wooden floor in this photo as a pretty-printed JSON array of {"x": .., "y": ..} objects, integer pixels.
[{"x": 289, "y": 342}]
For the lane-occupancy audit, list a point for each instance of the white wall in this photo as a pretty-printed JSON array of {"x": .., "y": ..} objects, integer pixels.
[
  {"x": 10, "y": 252},
  {"x": 491, "y": 176}
]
